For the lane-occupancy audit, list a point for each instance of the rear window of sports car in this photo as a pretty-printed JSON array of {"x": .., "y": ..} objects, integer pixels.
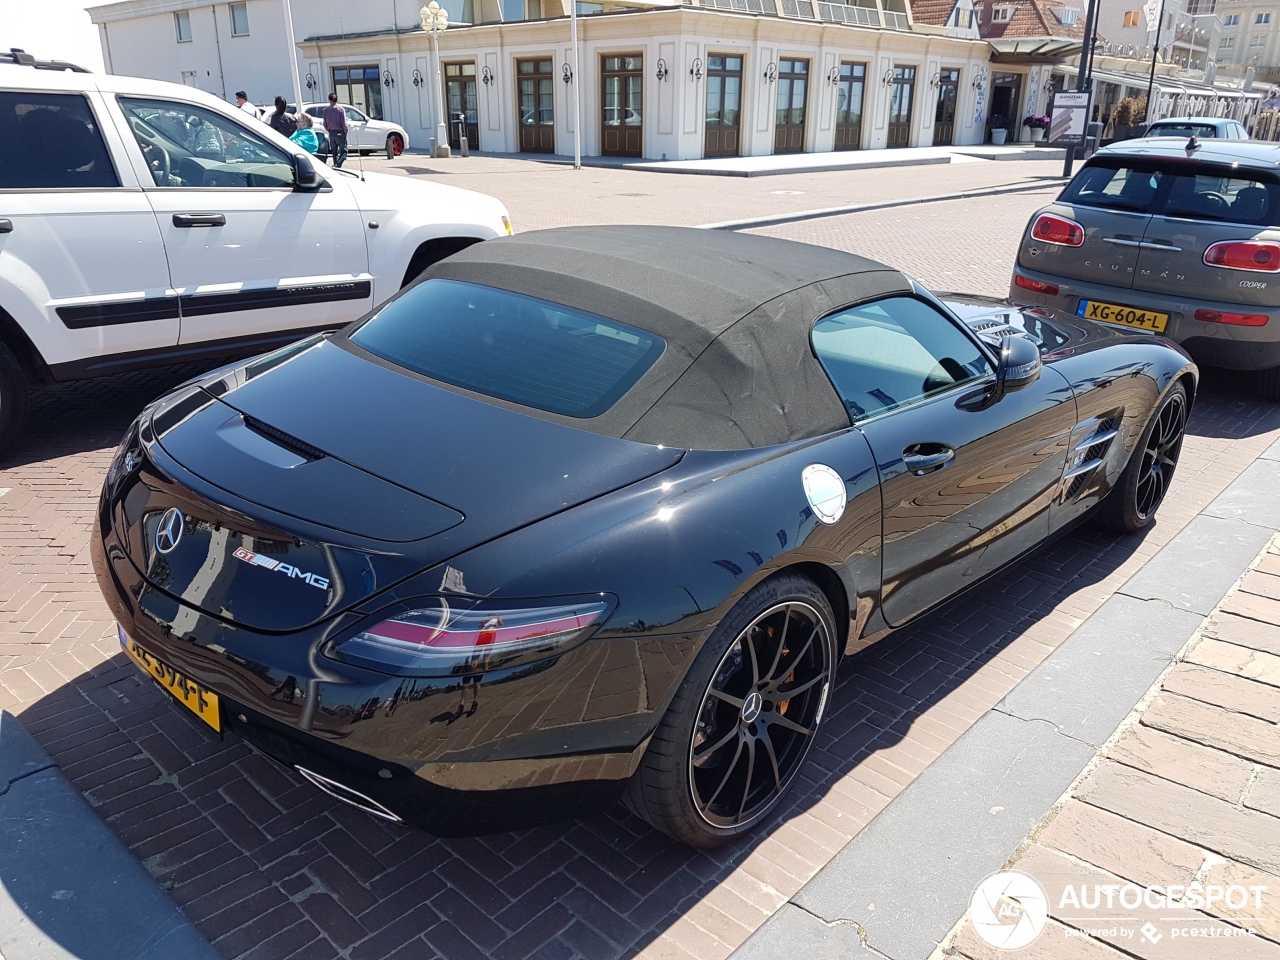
[{"x": 511, "y": 347}]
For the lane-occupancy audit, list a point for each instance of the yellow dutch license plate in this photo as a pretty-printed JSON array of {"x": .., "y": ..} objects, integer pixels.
[
  {"x": 1125, "y": 316},
  {"x": 199, "y": 700}
]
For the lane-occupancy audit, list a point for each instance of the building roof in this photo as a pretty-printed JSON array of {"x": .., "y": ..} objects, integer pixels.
[
  {"x": 936, "y": 12},
  {"x": 735, "y": 312},
  {"x": 1031, "y": 18}
]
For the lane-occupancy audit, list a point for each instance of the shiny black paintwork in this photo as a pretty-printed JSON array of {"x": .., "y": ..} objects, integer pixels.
[{"x": 673, "y": 538}]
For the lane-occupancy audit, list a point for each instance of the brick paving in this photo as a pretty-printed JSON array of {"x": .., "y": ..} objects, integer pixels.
[
  {"x": 267, "y": 867},
  {"x": 1187, "y": 792}
]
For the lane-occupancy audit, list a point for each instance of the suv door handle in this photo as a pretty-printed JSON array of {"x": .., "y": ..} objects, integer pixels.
[
  {"x": 6, "y": 226},
  {"x": 199, "y": 220},
  {"x": 922, "y": 458}
]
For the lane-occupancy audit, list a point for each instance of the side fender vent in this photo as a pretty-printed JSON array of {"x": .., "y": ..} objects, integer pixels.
[{"x": 1088, "y": 454}]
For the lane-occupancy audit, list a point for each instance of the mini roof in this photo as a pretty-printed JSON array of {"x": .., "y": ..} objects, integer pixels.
[
  {"x": 735, "y": 310},
  {"x": 1258, "y": 153}
]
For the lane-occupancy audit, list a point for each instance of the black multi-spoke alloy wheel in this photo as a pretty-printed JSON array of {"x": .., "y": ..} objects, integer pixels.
[
  {"x": 1141, "y": 488},
  {"x": 745, "y": 717}
]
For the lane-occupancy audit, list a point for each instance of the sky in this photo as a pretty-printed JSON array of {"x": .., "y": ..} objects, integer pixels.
[{"x": 52, "y": 30}]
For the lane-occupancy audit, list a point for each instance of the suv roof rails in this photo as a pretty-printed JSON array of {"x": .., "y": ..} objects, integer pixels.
[{"x": 22, "y": 58}]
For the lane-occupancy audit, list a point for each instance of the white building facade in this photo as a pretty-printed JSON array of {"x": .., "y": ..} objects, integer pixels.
[{"x": 657, "y": 80}]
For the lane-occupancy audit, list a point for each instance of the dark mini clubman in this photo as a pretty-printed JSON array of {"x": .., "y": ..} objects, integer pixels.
[
  {"x": 1176, "y": 237},
  {"x": 595, "y": 512}
]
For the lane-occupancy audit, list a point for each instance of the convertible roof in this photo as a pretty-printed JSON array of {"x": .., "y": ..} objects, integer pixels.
[{"x": 735, "y": 310}]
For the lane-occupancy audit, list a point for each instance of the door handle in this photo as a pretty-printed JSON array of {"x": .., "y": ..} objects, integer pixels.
[
  {"x": 920, "y": 462},
  {"x": 6, "y": 226},
  {"x": 199, "y": 220}
]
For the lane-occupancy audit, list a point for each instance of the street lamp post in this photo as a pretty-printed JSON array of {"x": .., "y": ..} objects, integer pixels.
[{"x": 435, "y": 19}]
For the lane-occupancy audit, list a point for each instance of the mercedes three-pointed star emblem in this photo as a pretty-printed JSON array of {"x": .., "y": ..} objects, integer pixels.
[{"x": 170, "y": 530}]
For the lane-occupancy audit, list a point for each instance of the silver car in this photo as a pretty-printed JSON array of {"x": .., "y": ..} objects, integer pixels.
[
  {"x": 1217, "y": 128},
  {"x": 1172, "y": 237}
]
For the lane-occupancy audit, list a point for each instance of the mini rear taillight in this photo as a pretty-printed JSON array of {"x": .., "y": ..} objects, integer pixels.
[
  {"x": 1259, "y": 255},
  {"x": 1239, "y": 319},
  {"x": 1052, "y": 228},
  {"x": 1039, "y": 286},
  {"x": 449, "y": 636}
]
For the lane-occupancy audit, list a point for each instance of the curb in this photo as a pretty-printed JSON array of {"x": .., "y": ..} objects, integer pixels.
[
  {"x": 68, "y": 887},
  {"x": 897, "y": 889},
  {"x": 775, "y": 219}
]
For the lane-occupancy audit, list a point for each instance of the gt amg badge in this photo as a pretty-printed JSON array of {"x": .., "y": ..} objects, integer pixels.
[
  {"x": 258, "y": 560},
  {"x": 825, "y": 491},
  {"x": 170, "y": 530}
]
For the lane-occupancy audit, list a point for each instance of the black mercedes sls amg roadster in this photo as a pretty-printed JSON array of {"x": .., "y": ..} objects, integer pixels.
[{"x": 595, "y": 512}]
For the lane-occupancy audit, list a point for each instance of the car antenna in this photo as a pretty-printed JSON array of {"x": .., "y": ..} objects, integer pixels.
[{"x": 1193, "y": 144}]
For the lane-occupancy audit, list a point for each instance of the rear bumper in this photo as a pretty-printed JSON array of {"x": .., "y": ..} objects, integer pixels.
[
  {"x": 1213, "y": 344},
  {"x": 453, "y": 755}
]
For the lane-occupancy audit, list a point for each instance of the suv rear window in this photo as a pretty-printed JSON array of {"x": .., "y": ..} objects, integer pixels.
[
  {"x": 50, "y": 140},
  {"x": 510, "y": 346},
  {"x": 1182, "y": 130},
  {"x": 1121, "y": 187}
]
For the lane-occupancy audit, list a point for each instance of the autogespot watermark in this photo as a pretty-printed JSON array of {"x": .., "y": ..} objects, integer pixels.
[{"x": 1011, "y": 910}]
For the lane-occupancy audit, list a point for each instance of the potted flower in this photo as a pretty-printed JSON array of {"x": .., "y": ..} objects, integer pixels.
[
  {"x": 999, "y": 127},
  {"x": 1036, "y": 126}
]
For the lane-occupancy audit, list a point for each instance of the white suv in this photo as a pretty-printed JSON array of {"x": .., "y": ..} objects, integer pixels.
[
  {"x": 144, "y": 223},
  {"x": 364, "y": 134}
]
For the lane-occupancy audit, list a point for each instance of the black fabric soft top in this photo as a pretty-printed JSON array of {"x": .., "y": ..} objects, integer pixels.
[{"x": 735, "y": 310}]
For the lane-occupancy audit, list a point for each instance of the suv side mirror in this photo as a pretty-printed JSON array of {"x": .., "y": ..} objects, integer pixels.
[
  {"x": 305, "y": 176},
  {"x": 1019, "y": 365}
]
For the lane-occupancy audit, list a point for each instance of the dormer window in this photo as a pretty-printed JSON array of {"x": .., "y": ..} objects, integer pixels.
[
  {"x": 1066, "y": 16},
  {"x": 1003, "y": 13}
]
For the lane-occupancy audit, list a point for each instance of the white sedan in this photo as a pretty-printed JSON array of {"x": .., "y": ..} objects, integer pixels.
[{"x": 364, "y": 134}]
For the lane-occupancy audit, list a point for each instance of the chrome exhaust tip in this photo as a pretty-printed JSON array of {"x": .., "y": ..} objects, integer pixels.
[{"x": 344, "y": 793}]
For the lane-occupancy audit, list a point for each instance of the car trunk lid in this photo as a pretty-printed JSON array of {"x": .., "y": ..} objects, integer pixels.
[{"x": 370, "y": 475}]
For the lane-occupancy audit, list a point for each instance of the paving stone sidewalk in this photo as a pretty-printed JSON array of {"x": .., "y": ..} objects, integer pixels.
[{"x": 1188, "y": 792}]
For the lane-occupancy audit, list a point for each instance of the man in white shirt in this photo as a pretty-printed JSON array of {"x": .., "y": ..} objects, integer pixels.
[{"x": 242, "y": 101}]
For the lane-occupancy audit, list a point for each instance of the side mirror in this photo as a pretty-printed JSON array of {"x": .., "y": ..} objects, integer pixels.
[
  {"x": 1019, "y": 365},
  {"x": 305, "y": 176}
]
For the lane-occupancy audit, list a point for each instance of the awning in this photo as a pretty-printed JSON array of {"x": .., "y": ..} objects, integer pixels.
[
  {"x": 1041, "y": 48},
  {"x": 1170, "y": 85}
]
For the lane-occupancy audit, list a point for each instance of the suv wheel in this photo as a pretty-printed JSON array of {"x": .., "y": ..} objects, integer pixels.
[{"x": 13, "y": 396}]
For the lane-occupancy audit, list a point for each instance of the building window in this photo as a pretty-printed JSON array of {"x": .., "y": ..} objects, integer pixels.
[
  {"x": 1262, "y": 18},
  {"x": 1002, "y": 14},
  {"x": 533, "y": 9},
  {"x": 1258, "y": 40},
  {"x": 1227, "y": 43},
  {"x": 239, "y": 19},
  {"x": 1067, "y": 16},
  {"x": 1131, "y": 18},
  {"x": 360, "y": 87},
  {"x": 182, "y": 25},
  {"x": 1231, "y": 20}
]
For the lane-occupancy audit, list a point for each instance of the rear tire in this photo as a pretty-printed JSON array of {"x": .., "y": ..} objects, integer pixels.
[
  {"x": 13, "y": 397},
  {"x": 1132, "y": 503},
  {"x": 743, "y": 719},
  {"x": 1266, "y": 385}
]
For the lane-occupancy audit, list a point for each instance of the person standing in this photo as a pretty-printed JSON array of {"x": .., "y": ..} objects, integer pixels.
[
  {"x": 335, "y": 128},
  {"x": 281, "y": 122},
  {"x": 242, "y": 101}
]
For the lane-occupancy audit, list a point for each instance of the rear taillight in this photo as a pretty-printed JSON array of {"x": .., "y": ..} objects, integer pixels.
[
  {"x": 449, "y": 636},
  {"x": 1258, "y": 255},
  {"x": 1239, "y": 319},
  {"x": 1039, "y": 286},
  {"x": 1051, "y": 228}
]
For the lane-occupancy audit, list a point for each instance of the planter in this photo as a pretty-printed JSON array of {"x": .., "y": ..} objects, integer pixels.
[
  {"x": 1037, "y": 134},
  {"x": 998, "y": 134}
]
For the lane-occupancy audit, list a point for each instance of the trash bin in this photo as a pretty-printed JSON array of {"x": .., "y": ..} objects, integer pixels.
[
  {"x": 1092, "y": 137},
  {"x": 458, "y": 131}
]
